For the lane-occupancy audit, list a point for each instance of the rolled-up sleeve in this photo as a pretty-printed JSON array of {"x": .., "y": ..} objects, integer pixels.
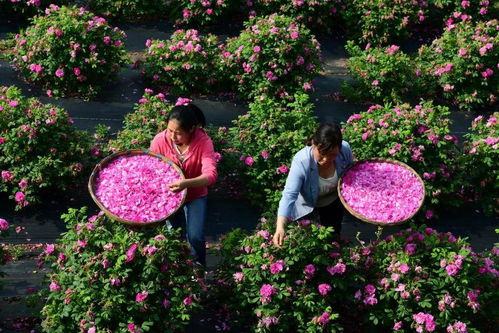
[
  {"x": 292, "y": 188},
  {"x": 208, "y": 163}
]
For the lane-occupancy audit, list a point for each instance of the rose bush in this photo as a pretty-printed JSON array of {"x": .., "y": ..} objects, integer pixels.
[
  {"x": 319, "y": 15},
  {"x": 107, "y": 278},
  {"x": 461, "y": 66},
  {"x": 426, "y": 281},
  {"x": 4, "y": 252},
  {"x": 129, "y": 10},
  {"x": 480, "y": 162},
  {"x": 39, "y": 148},
  {"x": 382, "y": 74},
  {"x": 202, "y": 12},
  {"x": 267, "y": 138},
  {"x": 414, "y": 280},
  {"x": 229, "y": 166},
  {"x": 383, "y": 22},
  {"x": 69, "y": 51},
  {"x": 140, "y": 126},
  {"x": 418, "y": 136},
  {"x": 27, "y": 8},
  {"x": 273, "y": 56},
  {"x": 379, "y": 21},
  {"x": 299, "y": 288},
  {"x": 185, "y": 63}
]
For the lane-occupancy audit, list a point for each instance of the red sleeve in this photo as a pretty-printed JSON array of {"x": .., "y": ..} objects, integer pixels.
[{"x": 208, "y": 163}]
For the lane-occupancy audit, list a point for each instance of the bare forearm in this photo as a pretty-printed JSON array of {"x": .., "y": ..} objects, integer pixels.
[
  {"x": 282, "y": 221},
  {"x": 199, "y": 181}
]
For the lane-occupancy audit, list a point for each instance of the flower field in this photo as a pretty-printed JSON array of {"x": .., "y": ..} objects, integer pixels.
[{"x": 416, "y": 82}]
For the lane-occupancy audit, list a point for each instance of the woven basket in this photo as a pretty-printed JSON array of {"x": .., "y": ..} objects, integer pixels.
[
  {"x": 362, "y": 218},
  {"x": 102, "y": 164}
]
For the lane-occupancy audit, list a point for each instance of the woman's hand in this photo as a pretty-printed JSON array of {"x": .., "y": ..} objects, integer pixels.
[
  {"x": 280, "y": 231},
  {"x": 178, "y": 185}
]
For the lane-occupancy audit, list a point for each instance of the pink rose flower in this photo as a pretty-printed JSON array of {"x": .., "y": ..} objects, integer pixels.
[
  {"x": 310, "y": 270},
  {"x": 183, "y": 101},
  {"x": 59, "y": 72},
  {"x": 130, "y": 253},
  {"x": 267, "y": 290},
  {"x": 4, "y": 225},
  {"x": 19, "y": 196},
  {"x": 140, "y": 297},
  {"x": 324, "y": 288},
  {"x": 249, "y": 161},
  {"x": 282, "y": 169},
  {"x": 187, "y": 301}
]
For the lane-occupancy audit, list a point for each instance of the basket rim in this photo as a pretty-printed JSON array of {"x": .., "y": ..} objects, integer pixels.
[
  {"x": 386, "y": 160},
  {"x": 131, "y": 152}
]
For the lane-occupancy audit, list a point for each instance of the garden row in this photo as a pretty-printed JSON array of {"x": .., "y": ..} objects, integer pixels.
[
  {"x": 106, "y": 278},
  {"x": 377, "y": 22},
  {"x": 69, "y": 51},
  {"x": 40, "y": 148},
  {"x": 274, "y": 56}
]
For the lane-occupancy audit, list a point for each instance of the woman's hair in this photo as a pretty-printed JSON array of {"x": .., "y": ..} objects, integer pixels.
[
  {"x": 188, "y": 116},
  {"x": 327, "y": 136}
]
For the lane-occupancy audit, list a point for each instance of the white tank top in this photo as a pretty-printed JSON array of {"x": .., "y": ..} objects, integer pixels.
[{"x": 327, "y": 190}]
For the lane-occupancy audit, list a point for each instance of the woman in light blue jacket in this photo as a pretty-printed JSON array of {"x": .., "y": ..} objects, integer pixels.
[{"x": 311, "y": 187}]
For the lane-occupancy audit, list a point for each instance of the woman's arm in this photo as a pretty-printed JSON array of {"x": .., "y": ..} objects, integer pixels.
[
  {"x": 179, "y": 185},
  {"x": 208, "y": 171},
  {"x": 290, "y": 193}
]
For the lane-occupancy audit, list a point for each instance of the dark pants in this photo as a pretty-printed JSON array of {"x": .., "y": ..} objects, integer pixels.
[
  {"x": 328, "y": 216},
  {"x": 332, "y": 215}
]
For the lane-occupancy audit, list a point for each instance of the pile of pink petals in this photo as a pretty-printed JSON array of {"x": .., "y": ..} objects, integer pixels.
[
  {"x": 382, "y": 191},
  {"x": 135, "y": 188}
]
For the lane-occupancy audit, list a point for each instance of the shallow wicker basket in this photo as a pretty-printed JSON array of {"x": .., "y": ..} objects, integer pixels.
[
  {"x": 102, "y": 164},
  {"x": 362, "y": 218}
]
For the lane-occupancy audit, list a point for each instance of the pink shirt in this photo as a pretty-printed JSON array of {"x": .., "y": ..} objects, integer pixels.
[{"x": 199, "y": 159}]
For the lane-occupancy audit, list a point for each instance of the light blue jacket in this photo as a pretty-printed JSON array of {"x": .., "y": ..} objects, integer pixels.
[{"x": 302, "y": 185}]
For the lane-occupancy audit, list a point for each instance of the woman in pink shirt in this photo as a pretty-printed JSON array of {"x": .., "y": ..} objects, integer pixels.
[{"x": 186, "y": 143}]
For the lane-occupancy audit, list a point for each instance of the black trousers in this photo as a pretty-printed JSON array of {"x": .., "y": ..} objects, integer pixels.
[{"x": 328, "y": 216}]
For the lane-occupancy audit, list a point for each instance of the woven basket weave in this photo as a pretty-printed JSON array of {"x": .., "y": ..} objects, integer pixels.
[
  {"x": 134, "y": 152},
  {"x": 363, "y": 218}
]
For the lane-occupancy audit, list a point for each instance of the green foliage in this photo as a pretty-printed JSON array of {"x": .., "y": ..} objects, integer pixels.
[
  {"x": 297, "y": 304},
  {"x": 319, "y": 15},
  {"x": 381, "y": 74},
  {"x": 108, "y": 277},
  {"x": 385, "y": 21},
  {"x": 5, "y": 254},
  {"x": 384, "y": 285},
  {"x": 424, "y": 271},
  {"x": 185, "y": 63},
  {"x": 140, "y": 126},
  {"x": 461, "y": 66},
  {"x": 129, "y": 10},
  {"x": 39, "y": 148},
  {"x": 202, "y": 13},
  {"x": 267, "y": 138},
  {"x": 69, "y": 51},
  {"x": 273, "y": 56},
  {"x": 480, "y": 160},
  {"x": 27, "y": 8}
]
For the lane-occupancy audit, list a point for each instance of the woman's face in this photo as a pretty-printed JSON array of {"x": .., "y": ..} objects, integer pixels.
[
  {"x": 178, "y": 135},
  {"x": 324, "y": 158}
]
